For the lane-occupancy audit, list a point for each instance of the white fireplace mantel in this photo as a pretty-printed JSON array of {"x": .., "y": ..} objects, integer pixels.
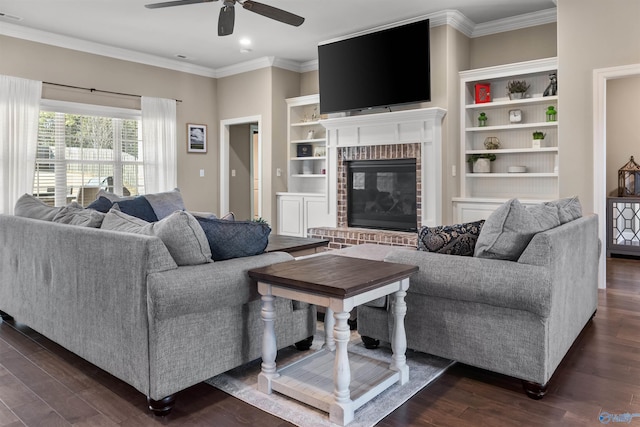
[{"x": 422, "y": 126}]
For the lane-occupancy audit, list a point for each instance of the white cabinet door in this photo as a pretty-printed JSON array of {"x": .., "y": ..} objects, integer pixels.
[
  {"x": 290, "y": 216},
  {"x": 315, "y": 212}
]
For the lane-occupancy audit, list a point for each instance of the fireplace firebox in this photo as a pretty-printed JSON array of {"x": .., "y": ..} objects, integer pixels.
[{"x": 381, "y": 194}]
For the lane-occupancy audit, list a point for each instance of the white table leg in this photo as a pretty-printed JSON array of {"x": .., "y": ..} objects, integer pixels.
[
  {"x": 269, "y": 348},
  {"x": 341, "y": 410},
  {"x": 329, "y": 323},
  {"x": 399, "y": 337}
]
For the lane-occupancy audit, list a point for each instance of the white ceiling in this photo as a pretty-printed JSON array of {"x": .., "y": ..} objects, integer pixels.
[{"x": 128, "y": 30}]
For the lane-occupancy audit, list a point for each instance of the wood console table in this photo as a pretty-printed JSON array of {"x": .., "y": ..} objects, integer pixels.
[{"x": 338, "y": 283}]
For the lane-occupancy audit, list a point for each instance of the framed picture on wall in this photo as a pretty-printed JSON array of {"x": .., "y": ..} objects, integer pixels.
[{"x": 196, "y": 138}]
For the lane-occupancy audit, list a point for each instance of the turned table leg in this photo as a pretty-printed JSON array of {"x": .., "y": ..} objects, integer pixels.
[
  {"x": 269, "y": 347},
  {"x": 399, "y": 337},
  {"x": 341, "y": 410},
  {"x": 329, "y": 324}
]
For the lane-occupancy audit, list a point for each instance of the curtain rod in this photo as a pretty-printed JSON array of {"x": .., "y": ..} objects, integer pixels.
[{"x": 98, "y": 90}]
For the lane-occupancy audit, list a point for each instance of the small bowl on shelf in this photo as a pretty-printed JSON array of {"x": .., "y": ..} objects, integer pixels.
[{"x": 517, "y": 169}]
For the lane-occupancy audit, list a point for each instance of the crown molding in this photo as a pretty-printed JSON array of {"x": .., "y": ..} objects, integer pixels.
[
  {"x": 526, "y": 20},
  {"x": 453, "y": 18}
]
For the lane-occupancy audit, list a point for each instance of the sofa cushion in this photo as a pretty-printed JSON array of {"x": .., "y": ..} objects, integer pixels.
[
  {"x": 74, "y": 214},
  {"x": 234, "y": 239},
  {"x": 138, "y": 207},
  {"x": 180, "y": 232},
  {"x": 101, "y": 204},
  {"x": 29, "y": 206},
  {"x": 162, "y": 203},
  {"x": 509, "y": 229},
  {"x": 457, "y": 239},
  {"x": 569, "y": 208}
]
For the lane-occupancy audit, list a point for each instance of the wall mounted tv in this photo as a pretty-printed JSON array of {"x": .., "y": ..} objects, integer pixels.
[{"x": 379, "y": 69}]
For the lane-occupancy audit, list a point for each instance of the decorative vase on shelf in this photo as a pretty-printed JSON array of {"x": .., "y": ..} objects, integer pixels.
[
  {"x": 538, "y": 139},
  {"x": 482, "y": 166}
]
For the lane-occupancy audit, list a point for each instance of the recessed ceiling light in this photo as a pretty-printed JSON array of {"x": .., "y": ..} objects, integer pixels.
[
  {"x": 245, "y": 42},
  {"x": 12, "y": 17},
  {"x": 180, "y": 56}
]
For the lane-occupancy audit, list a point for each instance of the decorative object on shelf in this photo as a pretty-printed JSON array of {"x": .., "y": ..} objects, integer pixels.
[
  {"x": 304, "y": 150},
  {"x": 314, "y": 115},
  {"x": 482, "y": 120},
  {"x": 552, "y": 89},
  {"x": 491, "y": 143},
  {"x": 311, "y": 134},
  {"x": 319, "y": 151},
  {"x": 196, "y": 138},
  {"x": 515, "y": 116},
  {"x": 481, "y": 163},
  {"x": 538, "y": 137},
  {"x": 629, "y": 179},
  {"x": 517, "y": 169},
  {"x": 517, "y": 89},
  {"x": 551, "y": 113},
  {"x": 483, "y": 93}
]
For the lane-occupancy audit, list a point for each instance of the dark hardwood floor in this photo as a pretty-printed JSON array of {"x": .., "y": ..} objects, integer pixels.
[{"x": 41, "y": 384}]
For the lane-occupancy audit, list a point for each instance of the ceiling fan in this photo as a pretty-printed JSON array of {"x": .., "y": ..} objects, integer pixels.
[{"x": 227, "y": 12}]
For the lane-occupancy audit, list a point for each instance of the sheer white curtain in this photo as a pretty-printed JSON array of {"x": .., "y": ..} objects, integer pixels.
[
  {"x": 19, "y": 113},
  {"x": 159, "y": 144}
]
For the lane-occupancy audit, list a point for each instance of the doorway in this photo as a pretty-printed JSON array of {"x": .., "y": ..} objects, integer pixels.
[
  {"x": 241, "y": 167},
  {"x": 600, "y": 78}
]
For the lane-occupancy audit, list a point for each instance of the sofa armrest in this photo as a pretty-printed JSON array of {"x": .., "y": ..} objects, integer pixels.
[
  {"x": 206, "y": 287},
  {"x": 479, "y": 280}
]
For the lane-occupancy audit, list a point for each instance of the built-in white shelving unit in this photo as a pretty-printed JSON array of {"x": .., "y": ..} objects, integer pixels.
[{"x": 481, "y": 193}]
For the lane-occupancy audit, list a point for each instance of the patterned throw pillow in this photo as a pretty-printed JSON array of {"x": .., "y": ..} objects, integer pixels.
[
  {"x": 235, "y": 239},
  {"x": 458, "y": 239}
]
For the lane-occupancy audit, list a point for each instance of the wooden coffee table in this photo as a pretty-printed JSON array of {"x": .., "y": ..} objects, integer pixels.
[{"x": 338, "y": 283}]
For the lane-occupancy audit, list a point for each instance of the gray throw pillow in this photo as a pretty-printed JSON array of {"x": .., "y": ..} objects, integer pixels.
[
  {"x": 180, "y": 232},
  {"x": 509, "y": 229},
  {"x": 29, "y": 206},
  {"x": 457, "y": 239},
  {"x": 74, "y": 214},
  {"x": 165, "y": 203},
  {"x": 569, "y": 208}
]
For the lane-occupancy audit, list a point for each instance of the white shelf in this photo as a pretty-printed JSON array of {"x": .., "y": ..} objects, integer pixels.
[
  {"x": 512, "y": 127},
  {"x": 515, "y": 150},
  {"x": 308, "y": 141},
  {"x": 309, "y": 158},
  {"x": 309, "y": 175},
  {"x": 309, "y": 123},
  {"x": 515, "y": 102},
  {"x": 512, "y": 175}
]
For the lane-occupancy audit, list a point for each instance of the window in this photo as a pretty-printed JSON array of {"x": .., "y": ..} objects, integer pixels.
[{"x": 85, "y": 148}]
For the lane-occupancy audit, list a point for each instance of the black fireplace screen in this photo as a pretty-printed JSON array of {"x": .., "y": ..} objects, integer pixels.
[{"x": 381, "y": 194}]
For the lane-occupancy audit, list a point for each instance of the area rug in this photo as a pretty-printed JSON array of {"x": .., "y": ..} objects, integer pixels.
[{"x": 242, "y": 384}]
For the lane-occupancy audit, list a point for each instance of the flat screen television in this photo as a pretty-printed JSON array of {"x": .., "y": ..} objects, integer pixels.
[{"x": 379, "y": 69}]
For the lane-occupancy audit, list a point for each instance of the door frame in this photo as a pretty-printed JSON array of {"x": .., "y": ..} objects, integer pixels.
[
  {"x": 600, "y": 78},
  {"x": 224, "y": 159}
]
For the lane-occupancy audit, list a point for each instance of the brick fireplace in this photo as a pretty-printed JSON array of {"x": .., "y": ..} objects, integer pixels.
[{"x": 411, "y": 134}]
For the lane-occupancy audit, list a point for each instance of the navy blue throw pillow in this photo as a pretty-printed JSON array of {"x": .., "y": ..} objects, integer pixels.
[
  {"x": 234, "y": 239},
  {"x": 138, "y": 207},
  {"x": 102, "y": 204}
]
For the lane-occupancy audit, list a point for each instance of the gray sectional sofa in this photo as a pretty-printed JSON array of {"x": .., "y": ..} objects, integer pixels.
[
  {"x": 119, "y": 300},
  {"x": 517, "y": 317}
]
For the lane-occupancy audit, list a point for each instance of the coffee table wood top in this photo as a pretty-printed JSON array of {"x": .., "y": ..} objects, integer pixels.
[
  {"x": 333, "y": 275},
  {"x": 280, "y": 243}
]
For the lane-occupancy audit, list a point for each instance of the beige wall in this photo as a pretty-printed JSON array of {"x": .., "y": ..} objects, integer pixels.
[
  {"x": 623, "y": 139},
  {"x": 591, "y": 35},
  {"x": 38, "y": 61},
  {"x": 513, "y": 46},
  {"x": 309, "y": 83}
]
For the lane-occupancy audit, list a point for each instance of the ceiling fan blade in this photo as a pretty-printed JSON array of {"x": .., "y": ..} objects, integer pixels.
[
  {"x": 175, "y": 3},
  {"x": 273, "y": 12},
  {"x": 226, "y": 19}
]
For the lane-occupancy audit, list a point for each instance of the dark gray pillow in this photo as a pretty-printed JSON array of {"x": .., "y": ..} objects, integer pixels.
[
  {"x": 138, "y": 207},
  {"x": 457, "y": 239},
  {"x": 101, "y": 204},
  {"x": 509, "y": 229},
  {"x": 235, "y": 239}
]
